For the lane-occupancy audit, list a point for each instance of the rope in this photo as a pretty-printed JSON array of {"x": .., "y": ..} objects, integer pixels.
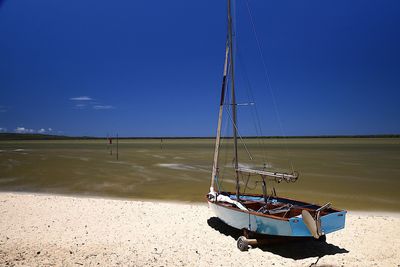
[
  {"x": 245, "y": 186},
  {"x": 218, "y": 185}
]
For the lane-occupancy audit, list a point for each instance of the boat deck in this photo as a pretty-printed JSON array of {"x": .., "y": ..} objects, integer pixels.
[{"x": 283, "y": 208}]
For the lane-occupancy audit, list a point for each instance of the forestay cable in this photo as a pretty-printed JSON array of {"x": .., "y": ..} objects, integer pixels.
[{"x": 267, "y": 80}]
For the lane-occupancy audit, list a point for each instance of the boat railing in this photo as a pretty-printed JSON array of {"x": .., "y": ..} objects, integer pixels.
[{"x": 278, "y": 176}]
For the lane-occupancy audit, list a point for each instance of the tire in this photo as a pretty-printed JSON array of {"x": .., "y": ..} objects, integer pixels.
[{"x": 242, "y": 244}]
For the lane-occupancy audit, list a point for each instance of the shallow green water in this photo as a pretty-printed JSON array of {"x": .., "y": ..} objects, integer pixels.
[{"x": 352, "y": 173}]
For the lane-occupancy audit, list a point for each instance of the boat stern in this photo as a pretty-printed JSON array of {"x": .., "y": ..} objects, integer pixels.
[
  {"x": 329, "y": 223},
  {"x": 333, "y": 222}
]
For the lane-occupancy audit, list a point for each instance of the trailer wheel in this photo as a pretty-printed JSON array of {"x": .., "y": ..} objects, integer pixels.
[{"x": 242, "y": 243}]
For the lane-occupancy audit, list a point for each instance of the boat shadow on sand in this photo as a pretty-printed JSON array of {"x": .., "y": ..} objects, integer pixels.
[{"x": 294, "y": 248}]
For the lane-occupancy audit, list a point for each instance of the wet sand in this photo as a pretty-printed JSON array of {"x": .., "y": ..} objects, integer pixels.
[{"x": 50, "y": 230}]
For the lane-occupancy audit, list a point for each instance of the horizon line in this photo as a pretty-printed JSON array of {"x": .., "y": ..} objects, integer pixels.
[{"x": 27, "y": 136}]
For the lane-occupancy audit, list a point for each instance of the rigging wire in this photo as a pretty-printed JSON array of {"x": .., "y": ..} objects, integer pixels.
[
  {"x": 268, "y": 82},
  {"x": 222, "y": 169},
  {"x": 254, "y": 112},
  {"x": 234, "y": 36},
  {"x": 240, "y": 136}
]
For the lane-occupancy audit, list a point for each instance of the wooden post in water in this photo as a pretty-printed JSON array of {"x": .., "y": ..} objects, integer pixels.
[
  {"x": 109, "y": 144},
  {"x": 110, "y": 141},
  {"x": 117, "y": 146}
]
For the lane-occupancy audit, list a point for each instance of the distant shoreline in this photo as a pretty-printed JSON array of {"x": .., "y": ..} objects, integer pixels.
[{"x": 18, "y": 136}]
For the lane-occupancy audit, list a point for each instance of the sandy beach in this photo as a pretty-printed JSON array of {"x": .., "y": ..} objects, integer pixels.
[{"x": 52, "y": 230}]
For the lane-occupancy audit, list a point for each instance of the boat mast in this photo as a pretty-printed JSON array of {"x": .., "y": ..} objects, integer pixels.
[
  {"x": 228, "y": 55},
  {"x": 234, "y": 126},
  {"x": 221, "y": 107}
]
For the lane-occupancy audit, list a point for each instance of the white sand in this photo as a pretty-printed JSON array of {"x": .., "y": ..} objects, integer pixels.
[{"x": 44, "y": 230}]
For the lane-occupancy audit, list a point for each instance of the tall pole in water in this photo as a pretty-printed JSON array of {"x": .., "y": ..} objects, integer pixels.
[
  {"x": 234, "y": 118},
  {"x": 117, "y": 146},
  {"x": 109, "y": 140}
]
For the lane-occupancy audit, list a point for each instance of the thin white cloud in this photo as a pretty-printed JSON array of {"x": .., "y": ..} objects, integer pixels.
[
  {"x": 84, "y": 102},
  {"x": 80, "y": 106},
  {"x": 20, "y": 129},
  {"x": 81, "y": 98},
  {"x": 3, "y": 129},
  {"x": 103, "y": 107},
  {"x": 3, "y": 108},
  {"x": 27, "y": 130},
  {"x": 23, "y": 130}
]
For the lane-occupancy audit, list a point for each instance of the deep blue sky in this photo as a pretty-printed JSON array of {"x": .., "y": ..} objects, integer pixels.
[{"x": 153, "y": 68}]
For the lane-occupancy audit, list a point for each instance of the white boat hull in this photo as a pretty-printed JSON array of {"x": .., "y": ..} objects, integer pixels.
[
  {"x": 294, "y": 227},
  {"x": 245, "y": 220}
]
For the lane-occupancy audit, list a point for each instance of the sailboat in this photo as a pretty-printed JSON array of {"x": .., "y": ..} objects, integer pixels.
[{"x": 262, "y": 214}]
